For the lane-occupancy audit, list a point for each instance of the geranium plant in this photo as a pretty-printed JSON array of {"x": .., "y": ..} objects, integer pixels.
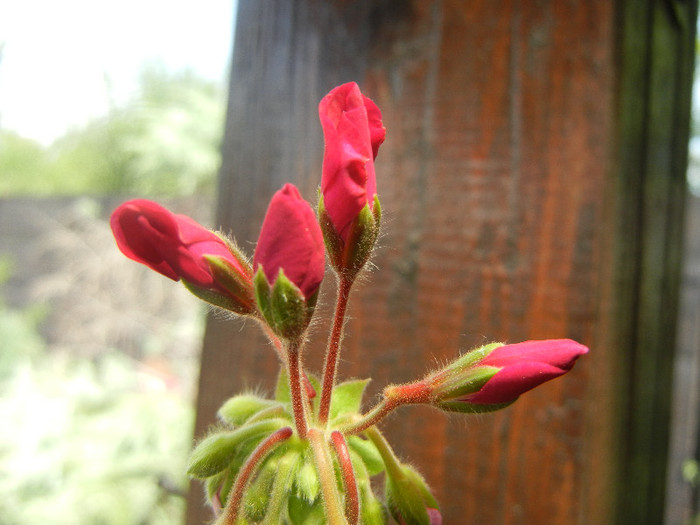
[{"x": 307, "y": 455}]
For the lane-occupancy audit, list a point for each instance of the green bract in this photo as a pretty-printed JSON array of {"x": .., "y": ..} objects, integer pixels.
[
  {"x": 349, "y": 257},
  {"x": 283, "y": 305}
]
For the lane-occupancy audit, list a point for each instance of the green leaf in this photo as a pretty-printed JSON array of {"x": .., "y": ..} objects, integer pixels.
[{"x": 347, "y": 397}]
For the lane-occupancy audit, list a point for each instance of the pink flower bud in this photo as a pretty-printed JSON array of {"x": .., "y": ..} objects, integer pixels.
[
  {"x": 523, "y": 366},
  {"x": 353, "y": 131},
  {"x": 174, "y": 245},
  {"x": 291, "y": 240},
  {"x": 490, "y": 377}
]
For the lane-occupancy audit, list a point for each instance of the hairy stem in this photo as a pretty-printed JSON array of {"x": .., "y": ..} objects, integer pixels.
[
  {"x": 332, "y": 352},
  {"x": 326, "y": 475},
  {"x": 233, "y": 504},
  {"x": 298, "y": 404},
  {"x": 352, "y": 498},
  {"x": 394, "y": 396},
  {"x": 371, "y": 418}
]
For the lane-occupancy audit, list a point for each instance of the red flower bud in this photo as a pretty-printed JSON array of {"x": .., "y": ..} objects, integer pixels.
[
  {"x": 291, "y": 240},
  {"x": 490, "y": 377},
  {"x": 353, "y": 131},
  {"x": 175, "y": 246},
  {"x": 523, "y": 366}
]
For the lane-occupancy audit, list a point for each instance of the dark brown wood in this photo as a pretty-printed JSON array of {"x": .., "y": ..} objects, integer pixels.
[{"x": 524, "y": 197}]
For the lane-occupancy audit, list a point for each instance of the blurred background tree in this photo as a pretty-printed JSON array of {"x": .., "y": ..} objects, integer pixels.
[{"x": 163, "y": 141}]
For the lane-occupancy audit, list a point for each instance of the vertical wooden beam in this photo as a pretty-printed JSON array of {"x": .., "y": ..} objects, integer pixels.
[{"x": 657, "y": 43}]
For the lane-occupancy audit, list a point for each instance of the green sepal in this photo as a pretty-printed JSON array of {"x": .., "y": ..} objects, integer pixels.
[
  {"x": 464, "y": 407},
  {"x": 349, "y": 256},
  {"x": 283, "y": 305},
  {"x": 263, "y": 291},
  {"x": 286, "y": 470},
  {"x": 220, "y": 482},
  {"x": 334, "y": 244},
  {"x": 368, "y": 453},
  {"x": 472, "y": 357},
  {"x": 467, "y": 382},
  {"x": 408, "y": 497},
  {"x": 347, "y": 397},
  {"x": 237, "y": 253},
  {"x": 217, "y": 451},
  {"x": 307, "y": 483},
  {"x": 216, "y": 298},
  {"x": 238, "y": 409},
  {"x": 238, "y": 285},
  {"x": 289, "y": 308},
  {"x": 304, "y": 513}
]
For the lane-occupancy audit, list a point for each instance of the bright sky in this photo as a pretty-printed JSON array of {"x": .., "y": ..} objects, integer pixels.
[{"x": 63, "y": 59}]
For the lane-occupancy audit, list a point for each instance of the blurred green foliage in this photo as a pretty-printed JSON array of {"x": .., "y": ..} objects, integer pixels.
[
  {"x": 85, "y": 441},
  {"x": 163, "y": 141}
]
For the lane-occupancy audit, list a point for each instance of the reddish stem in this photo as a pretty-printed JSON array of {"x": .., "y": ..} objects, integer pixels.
[
  {"x": 332, "y": 353},
  {"x": 294, "y": 369},
  {"x": 394, "y": 396},
  {"x": 234, "y": 501},
  {"x": 352, "y": 498},
  {"x": 279, "y": 349}
]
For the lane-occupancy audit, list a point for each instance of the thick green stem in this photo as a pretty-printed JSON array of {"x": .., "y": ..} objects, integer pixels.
[
  {"x": 326, "y": 475},
  {"x": 294, "y": 373},
  {"x": 332, "y": 352},
  {"x": 233, "y": 505},
  {"x": 391, "y": 462}
]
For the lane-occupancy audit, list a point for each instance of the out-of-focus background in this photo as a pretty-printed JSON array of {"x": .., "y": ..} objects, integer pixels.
[{"x": 99, "y": 102}]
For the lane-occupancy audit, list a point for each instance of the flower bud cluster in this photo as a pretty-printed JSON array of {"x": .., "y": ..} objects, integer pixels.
[{"x": 301, "y": 457}]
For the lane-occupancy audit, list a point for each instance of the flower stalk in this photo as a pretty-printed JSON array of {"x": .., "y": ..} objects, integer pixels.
[
  {"x": 230, "y": 514},
  {"x": 294, "y": 373},
  {"x": 333, "y": 350},
  {"x": 352, "y": 498},
  {"x": 326, "y": 475}
]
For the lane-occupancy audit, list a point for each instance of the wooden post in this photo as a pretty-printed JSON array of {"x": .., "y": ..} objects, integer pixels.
[{"x": 532, "y": 187}]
